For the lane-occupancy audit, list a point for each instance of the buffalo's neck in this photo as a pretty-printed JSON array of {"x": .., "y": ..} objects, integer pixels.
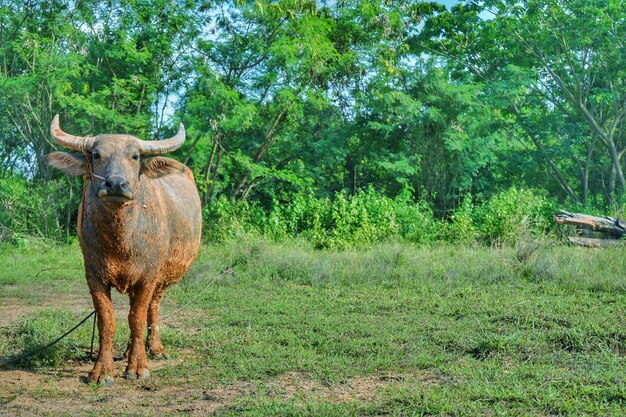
[{"x": 112, "y": 228}]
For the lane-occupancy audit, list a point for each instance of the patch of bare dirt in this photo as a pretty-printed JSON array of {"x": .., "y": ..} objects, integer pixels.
[
  {"x": 358, "y": 389},
  {"x": 62, "y": 392}
]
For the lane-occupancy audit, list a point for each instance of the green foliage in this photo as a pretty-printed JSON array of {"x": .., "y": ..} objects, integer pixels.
[
  {"x": 415, "y": 221},
  {"x": 368, "y": 217},
  {"x": 39, "y": 209},
  {"x": 515, "y": 214},
  {"x": 362, "y": 218},
  {"x": 464, "y": 223},
  {"x": 226, "y": 219},
  {"x": 535, "y": 59},
  {"x": 340, "y": 222},
  {"x": 297, "y": 110}
]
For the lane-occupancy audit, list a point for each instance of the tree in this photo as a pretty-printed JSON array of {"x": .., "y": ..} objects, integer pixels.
[
  {"x": 563, "y": 58},
  {"x": 262, "y": 66}
]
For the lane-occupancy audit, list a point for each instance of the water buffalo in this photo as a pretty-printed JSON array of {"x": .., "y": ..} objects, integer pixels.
[{"x": 139, "y": 229}]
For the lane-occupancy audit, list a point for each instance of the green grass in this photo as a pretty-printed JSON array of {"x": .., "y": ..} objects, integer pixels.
[{"x": 444, "y": 330}]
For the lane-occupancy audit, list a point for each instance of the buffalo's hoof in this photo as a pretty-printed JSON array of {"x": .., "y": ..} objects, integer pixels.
[
  {"x": 159, "y": 356},
  {"x": 130, "y": 374},
  {"x": 103, "y": 380},
  {"x": 106, "y": 381}
]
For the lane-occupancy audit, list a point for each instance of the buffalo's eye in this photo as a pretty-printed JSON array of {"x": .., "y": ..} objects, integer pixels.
[
  {"x": 95, "y": 155},
  {"x": 136, "y": 157}
]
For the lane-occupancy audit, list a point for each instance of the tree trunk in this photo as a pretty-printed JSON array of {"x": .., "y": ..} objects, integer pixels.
[
  {"x": 218, "y": 162},
  {"x": 612, "y": 226},
  {"x": 210, "y": 170},
  {"x": 616, "y": 166},
  {"x": 560, "y": 178}
]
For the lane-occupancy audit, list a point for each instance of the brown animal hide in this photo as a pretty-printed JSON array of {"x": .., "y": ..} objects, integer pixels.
[{"x": 139, "y": 231}]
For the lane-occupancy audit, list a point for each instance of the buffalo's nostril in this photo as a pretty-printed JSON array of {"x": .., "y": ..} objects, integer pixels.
[{"x": 117, "y": 185}]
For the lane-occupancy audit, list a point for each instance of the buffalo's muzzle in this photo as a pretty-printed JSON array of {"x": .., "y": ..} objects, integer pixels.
[{"x": 115, "y": 187}]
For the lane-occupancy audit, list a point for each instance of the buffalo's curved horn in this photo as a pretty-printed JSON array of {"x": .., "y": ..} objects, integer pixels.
[
  {"x": 76, "y": 143},
  {"x": 157, "y": 147}
]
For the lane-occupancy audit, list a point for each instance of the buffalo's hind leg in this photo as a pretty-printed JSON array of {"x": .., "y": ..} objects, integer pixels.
[
  {"x": 137, "y": 366},
  {"x": 153, "y": 342},
  {"x": 102, "y": 372}
]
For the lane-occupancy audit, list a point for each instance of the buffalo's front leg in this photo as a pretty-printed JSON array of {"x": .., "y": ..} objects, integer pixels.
[
  {"x": 137, "y": 360},
  {"x": 102, "y": 371}
]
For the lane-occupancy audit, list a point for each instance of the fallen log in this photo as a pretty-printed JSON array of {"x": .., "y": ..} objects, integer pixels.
[{"x": 614, "y": 227}]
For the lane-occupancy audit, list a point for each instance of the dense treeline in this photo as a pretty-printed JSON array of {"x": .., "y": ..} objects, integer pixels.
[{"x": 300, "y": 113}]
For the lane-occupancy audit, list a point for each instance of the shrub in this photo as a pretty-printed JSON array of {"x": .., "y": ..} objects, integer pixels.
[
  {"x": 344, "y": 220},
  {"x": 37, "y": 209},
  {"x": 48, "y": 209},
  {"x": 462, "y": 226},
  {"x": 224, "y": 219},
  {"x": 513, "y": 214},
  {"x": 416, "y": 221}
]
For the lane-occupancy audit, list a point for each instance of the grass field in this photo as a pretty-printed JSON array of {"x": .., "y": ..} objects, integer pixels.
[{"x": 392, "y": 329}]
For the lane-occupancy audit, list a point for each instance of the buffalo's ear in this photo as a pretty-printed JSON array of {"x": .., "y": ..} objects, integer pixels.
[
  {"x": 158, "y": 166},
  {"x": 71, "y": 164}
]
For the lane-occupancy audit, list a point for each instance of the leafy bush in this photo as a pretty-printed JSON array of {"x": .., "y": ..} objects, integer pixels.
[
  {"x": 369, "y": 217},
  {"x": 462, "y": 225},
  {"x": 37, "y": 209},
  {"x": 43, "y": 209},
  {"x": 416, "y": 221},
  {"x": 339, "y": 222},
  {"x": 363, "y": 218},
  {"x": 224, "y": 219},
  {"x": 513, "y": 214}
]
